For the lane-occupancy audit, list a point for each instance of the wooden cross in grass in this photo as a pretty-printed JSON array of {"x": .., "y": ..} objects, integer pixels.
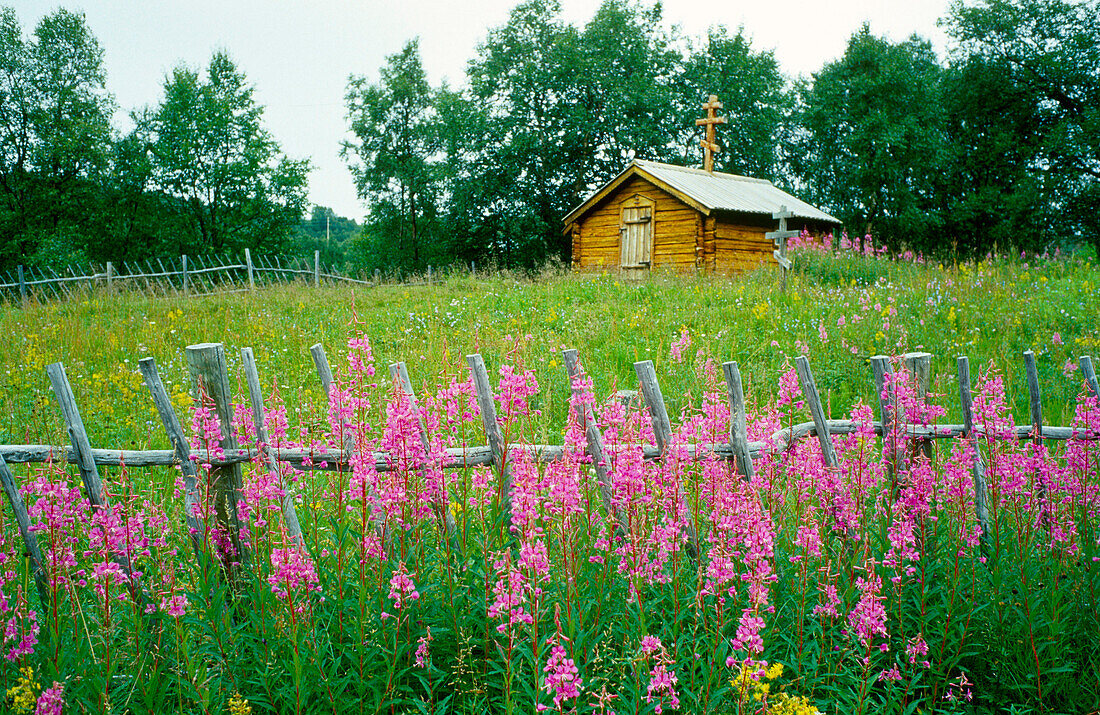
[
  {"x": 710, "y": 145},
  {"x": 780, "y": 238}
]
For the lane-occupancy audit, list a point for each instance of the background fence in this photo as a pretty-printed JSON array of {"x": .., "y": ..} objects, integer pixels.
[{"x": 192, "y": 276}]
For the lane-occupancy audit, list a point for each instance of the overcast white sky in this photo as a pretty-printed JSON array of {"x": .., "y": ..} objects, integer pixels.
[{"x": 299, "y": 54}]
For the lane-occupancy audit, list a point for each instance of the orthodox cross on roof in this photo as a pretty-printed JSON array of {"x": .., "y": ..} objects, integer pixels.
[{"x": 710, "y": 146}]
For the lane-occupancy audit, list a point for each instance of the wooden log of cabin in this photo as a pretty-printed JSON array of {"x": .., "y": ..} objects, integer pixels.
[{"x": 660, "y": 215}]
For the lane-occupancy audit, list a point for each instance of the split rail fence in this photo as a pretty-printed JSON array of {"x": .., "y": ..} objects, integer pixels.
[
  {"x": 190, "y": 276},
  {"x": 207, "y": 367}
]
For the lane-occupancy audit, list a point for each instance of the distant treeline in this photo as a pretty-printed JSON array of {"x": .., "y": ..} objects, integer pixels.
[{"x": 995, "y": 146}]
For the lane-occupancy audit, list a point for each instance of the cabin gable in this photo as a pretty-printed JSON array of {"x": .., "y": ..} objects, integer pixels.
[{"x": 674, "y": 228}]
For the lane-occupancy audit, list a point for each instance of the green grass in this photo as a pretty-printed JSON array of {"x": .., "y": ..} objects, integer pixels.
[{"x": 990, "y": 311}]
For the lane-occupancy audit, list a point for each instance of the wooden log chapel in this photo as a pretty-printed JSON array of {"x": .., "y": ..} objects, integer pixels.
[{"x": 661, "y": 215}]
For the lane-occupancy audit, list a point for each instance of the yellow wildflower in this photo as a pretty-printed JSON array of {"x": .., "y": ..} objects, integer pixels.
[
  {"x": 24, "y": 694},
  {"x": 239, "y": 705}
]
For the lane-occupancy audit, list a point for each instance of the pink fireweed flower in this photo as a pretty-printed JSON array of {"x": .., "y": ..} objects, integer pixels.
[
  {"x": 20, "y": 622},
  {"x": 402, "y": 589},
  {"x": 662, "y": 681},
  {"x": 174, "y": 606},
  {"x": 422, "y": 648},
  {"x": 868, "y": 618},
  {"x": 51, "y": 701},
  {"x": 292, "y": 574},
  {"x": 511, "y": 593},
  {"x": 360, "y": 356},
  {"x": 677, "y": 348},
  {"x": 562, "y": 679}
]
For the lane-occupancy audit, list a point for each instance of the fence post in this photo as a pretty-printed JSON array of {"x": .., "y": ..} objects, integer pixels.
[
  {"x": 1036, "y": 412},
  {"x": 110, "y": 275},
  {"x": 210, "y": 379},
  {"x": 919, "y": 366},
  {"x": 251, "y": 273},
  {"x": 429, "y": 274},
  {"x": 739, "y": 438},
  {"x": 22, "y": 285},
  {"x": 377, "y": 276},
  {"x": 977, "y": 469},
  {"x": 1089, "y": 373},
  {"x": 316, "y": 268},
  {"x": 85, "y": 461},
  {"x": 196, "y": 525},
  {"x": 593, "y": 437},
  {"x": 399, "y": 375},
  {"x": 662, "y": 431},
  {"x": 184, "y": 279},
  {"x": 817, "y": 413},
  {"x": 492, "y": 431},
  {"x": 347, "y": 441},
  {"x": 290, "y": 514},
  {"x": 880, "y": 364}
]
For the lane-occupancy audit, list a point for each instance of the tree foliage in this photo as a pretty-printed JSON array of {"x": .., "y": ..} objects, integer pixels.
[
  {"x": 1045, "y": 55},
  {"x": 209, "y": 150},
  {"x": 394, "y": 159},
  {"x": 54, "y": 134},
  {"x": 870, "y": 138}
]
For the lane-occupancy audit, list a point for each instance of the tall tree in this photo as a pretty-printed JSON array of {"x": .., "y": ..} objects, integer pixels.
[
  {"x": 871, "y": 138},
  {"x": 524, "y": 135},
  {"x": 1047, "y": 54},
  {"x": 394, "y": 158},
  {"x": 54, "y": 133},
  {"x": 209, "y": 149}
]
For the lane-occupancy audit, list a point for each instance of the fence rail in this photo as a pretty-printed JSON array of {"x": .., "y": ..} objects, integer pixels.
[
  {"x": 207, "y": 365},
  {"x": 189, "y": 275}
]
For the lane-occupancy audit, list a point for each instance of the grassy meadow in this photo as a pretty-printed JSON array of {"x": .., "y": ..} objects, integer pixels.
[
  {"x": 868, "y": 587},
  {"x": 839, "y": 311}
]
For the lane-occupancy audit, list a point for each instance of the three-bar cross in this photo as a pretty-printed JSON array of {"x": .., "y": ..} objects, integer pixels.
[{"x": 710, "y": 145}]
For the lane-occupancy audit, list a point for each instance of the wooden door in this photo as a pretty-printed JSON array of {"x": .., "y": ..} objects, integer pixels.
[{"x": 636, "y": 232}]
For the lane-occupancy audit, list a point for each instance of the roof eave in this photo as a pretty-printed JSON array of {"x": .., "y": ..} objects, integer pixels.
[{"x": 633, "y": 169}]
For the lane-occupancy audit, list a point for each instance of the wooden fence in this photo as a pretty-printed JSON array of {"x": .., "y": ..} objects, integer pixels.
[
  {"x": 190, "y": 276},
  {"x": 207, "y": 367}
]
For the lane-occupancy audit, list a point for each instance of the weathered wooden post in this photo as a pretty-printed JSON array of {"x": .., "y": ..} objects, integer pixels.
[
  {"x": 85, "y": 460},
  {"x": 399, "y": 373},
  {"x": 662, "y": 431},
  {"x": 316, "y": 269},
  {"x": 22, "y": 285},
  {"x": 210, "y": 379},
  {"x": 183, "y": 279},
  {"x": 110, "y": 276},
  {"x": 587, "y": 421},
  {"x": 817, "y": 412},
  {"x": 1036, "y": 413},
  {"x": 493, "y": 432},
  {"x": 347, "y": 442},
  {"x": 429, "y": 274},
  {"x": 887, "y": 399},
  {"x": 196, "y": 524},
  {"x": 739, "y": 438},
  {"x": 251, "y": 270},
  {"x": 977, "y": 470},
  {"x": 377, "y": 276},
  {"x": 290, "y": 514},
  {"x": 780, "y": 238},
  {"x": 1089, "y": 373},
  {"x": 919, "y": 366}
]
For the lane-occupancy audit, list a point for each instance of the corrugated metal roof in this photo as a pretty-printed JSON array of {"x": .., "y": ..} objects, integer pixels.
[
  {"x": 729, "y": 192},
  {"x": 710, "y": 192}
]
